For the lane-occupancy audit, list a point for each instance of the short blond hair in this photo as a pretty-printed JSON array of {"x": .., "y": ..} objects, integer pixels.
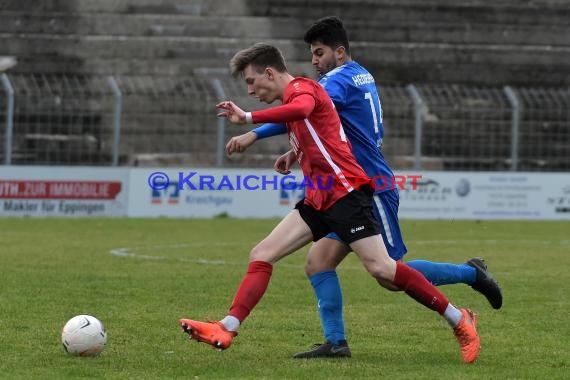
[{"x": 260, "y": 56}]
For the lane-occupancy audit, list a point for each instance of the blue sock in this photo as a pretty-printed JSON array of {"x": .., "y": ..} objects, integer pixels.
[
  {"x": 444, "y": 273},
  {"x": 329, "y": 297}
]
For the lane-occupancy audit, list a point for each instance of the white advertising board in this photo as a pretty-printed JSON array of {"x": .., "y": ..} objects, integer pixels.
[
  {"x": 63, "y": 191},
  {"x": 438, "y": 195},
  {"x": 488, "y": 195},
  {"x": 207, "y": 192}
]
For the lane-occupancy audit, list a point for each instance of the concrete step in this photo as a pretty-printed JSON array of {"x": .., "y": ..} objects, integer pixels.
[
  {"x": 134, "y": 47},
  {"x": 49, "y": 63},
  {"x": 385, "y": 73},
  {"x": 389, "y": 30},
  {"x": 406, "y": 162},
  {"x": 84, "y": 24},
  {"x": 216, "y": 52},
  {"x": 455, "y": 32},
  {"x": 192, "y": 7},
  {"x": 484, "y": 74},
  {"x": 545, "y": 12},
  {"x": 315, "y": 8},
  {"x": 187, "y": 124},
  {"x": 160, "y": 47}
]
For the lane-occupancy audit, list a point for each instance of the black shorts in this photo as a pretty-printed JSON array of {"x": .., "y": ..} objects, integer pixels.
[{"x": 351, "y": 217}]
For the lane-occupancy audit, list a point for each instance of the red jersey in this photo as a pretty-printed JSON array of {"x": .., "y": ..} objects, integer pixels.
[{"x": 318, "y": 140}]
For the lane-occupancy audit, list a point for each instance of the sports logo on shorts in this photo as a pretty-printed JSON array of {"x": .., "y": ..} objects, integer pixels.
[{"x": 356, "y": 229}]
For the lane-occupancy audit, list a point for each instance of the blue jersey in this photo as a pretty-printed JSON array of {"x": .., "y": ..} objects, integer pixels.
[{"x": 353, "y": 91}]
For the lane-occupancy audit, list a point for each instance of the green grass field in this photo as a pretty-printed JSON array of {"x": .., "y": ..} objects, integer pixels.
[{"x": 140, "y": 276}]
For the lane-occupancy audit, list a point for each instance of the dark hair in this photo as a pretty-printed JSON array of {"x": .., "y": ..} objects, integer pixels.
[
  {"x": 260, "y": 56},
  {"x": 328, "y": 31}
]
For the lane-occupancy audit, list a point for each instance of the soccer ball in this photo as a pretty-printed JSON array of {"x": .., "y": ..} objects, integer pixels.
[{"x": 84, "y": 335}]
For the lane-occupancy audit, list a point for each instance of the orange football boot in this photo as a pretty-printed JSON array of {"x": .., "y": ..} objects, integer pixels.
[
  {"x": 213, "y": 333},
  {"x": 466, "y": 334}
]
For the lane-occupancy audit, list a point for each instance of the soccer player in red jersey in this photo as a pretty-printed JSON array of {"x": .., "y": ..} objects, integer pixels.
[{"x": 323, "y": 152}]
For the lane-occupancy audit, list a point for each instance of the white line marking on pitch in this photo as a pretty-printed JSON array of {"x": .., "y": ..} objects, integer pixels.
[{"x": 134, "y": 252}]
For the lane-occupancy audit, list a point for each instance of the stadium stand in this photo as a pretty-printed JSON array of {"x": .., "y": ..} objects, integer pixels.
[{"x": 157, "y": 49}]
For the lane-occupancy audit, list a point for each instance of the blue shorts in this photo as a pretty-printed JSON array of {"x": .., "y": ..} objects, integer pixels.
[{"x": 386, "y": 211}]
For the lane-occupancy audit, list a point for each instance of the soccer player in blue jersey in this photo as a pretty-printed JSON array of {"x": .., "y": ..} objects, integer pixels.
[{"x": 354, "y": 93}]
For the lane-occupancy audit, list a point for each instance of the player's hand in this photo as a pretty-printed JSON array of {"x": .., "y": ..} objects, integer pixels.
[
  {"x": 284, "y": 163},
  {"x": 239, "y": 144},
  {"x": 233, "y": 113}
]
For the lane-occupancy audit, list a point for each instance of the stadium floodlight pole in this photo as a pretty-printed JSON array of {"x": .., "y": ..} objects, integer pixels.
[
  {"x": 221, "y": 95},
  {"x": 116, "y": 118},
  {"x": 9, "y": 118},
  {"x": 515, "y": 125},
  {"x": 418, "y": 124}
]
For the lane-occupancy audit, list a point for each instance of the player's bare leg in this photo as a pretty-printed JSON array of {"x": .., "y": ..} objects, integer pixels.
[
  {"x": 325, "y": 254},
  {"x": 288, "y": 236}
]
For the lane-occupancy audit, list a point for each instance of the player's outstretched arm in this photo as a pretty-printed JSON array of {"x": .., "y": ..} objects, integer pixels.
[
  {"x": 299, "y": 108},
  {"x": 232, "y": 112},
  {"x": 269, "y": 130},
  {"x": 284, "y": 163},
  {"x": 239, "y": 144}
]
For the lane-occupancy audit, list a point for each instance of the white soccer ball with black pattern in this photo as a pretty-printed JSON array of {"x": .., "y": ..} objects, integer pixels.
[{"x": 84, "y": 335}]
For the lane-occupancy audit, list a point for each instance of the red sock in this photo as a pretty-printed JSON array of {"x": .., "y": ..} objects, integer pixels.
[
  {"x": 416, "y": 286},
  {"x": 251, "y": 289}
]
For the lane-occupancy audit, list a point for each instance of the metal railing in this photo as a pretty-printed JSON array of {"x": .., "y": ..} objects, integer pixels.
[{"x": 151, "y": 121}]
